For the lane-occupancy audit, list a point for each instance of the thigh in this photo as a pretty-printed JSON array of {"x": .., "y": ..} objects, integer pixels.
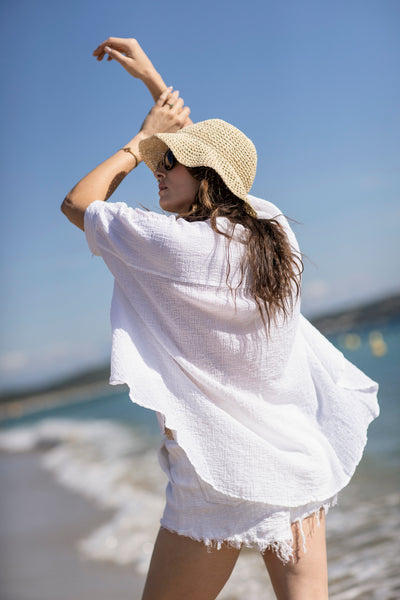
[
  {"x": 306, "y": 576},
  {"x": 182, "y": 568}
]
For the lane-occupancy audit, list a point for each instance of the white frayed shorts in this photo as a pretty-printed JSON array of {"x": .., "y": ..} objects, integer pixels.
[{"x": 196, "y": 510}]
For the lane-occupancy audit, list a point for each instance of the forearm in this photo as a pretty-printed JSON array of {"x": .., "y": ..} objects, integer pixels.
[
  {"x": 154, "y": 83},
  {"x": 167, "y": 115},
  {"x": 100, "y": 183}
]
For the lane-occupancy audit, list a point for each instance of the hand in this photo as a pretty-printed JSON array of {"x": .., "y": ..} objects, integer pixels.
[
  {"x": 167, "y": 115},
  {"x": 128, "y": 53}
]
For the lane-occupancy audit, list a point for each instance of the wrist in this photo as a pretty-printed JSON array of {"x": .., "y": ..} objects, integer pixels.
[
  {"x": 154, "y": 83},
  {"x": 141, "y": 135},
  {"x": 150, "y": 76},
  {"x": 133, "y": 144}
]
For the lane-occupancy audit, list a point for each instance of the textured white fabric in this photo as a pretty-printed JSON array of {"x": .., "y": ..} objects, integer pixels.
[
  {"x": 279, "y": 419},
  {"x": 196, "y": 510}
]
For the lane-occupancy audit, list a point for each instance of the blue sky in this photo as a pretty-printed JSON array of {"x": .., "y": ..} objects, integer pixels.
[{"x": 314, "y": 84}]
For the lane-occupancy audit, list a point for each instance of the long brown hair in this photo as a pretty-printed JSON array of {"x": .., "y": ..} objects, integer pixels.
[{"x": 275, "y": 268}]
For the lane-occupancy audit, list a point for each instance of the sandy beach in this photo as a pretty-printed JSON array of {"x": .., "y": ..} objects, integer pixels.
[
  {"x": 41, "y": 524},
  {"x": 40, "y": 559}
]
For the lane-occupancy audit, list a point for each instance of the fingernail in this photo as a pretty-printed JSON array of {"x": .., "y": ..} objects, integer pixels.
[
  {"x": 171, "y": 87},
  {"x": 107, "y": 49}
]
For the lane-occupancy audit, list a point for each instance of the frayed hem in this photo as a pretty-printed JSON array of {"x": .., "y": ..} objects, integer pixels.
[
  {"x": 283, "y": 548},
  {"x": 313, "y": 513}
]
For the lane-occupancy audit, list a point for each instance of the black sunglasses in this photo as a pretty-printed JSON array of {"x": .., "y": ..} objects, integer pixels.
[{"x": 168, "y": 161}]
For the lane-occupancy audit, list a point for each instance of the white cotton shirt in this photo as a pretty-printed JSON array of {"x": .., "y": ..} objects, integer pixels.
[{"x": 280, "y": 419}]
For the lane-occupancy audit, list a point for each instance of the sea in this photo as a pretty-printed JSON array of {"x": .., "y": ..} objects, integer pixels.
[{"x": 99, "y": 444}]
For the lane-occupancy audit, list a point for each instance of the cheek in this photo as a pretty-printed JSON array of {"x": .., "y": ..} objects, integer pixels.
[
  {"x": 187, "y": 185},
  {"x": 187, "y": 188},
  {"x": 195, "y": 187}
]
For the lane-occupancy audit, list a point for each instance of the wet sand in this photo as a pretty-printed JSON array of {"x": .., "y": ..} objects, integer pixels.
[{"x": 41, "y": 524}]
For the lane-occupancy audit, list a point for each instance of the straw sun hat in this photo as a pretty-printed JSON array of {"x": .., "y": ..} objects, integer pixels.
[{"x": 212, "y": 143}]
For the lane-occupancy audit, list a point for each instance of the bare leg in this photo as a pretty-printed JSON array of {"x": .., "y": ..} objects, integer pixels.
[
  {"x": 306, "y": 576},
  {"x": 182, "y": 568}
]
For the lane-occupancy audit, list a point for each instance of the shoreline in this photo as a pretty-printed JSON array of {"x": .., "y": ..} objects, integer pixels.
[
  {"x": 13, "y": 409},
  {"x": 42, "y": 524}
]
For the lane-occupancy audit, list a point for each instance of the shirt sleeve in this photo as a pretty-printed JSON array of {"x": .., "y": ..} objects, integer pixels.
[
  {"x": 90, "y": 227},
  {"x": 117, "y": 231},
  {"x": 267, "y": 210},
  {"x": 134, "y": 242},
  {"x": 131, "y": 238}
]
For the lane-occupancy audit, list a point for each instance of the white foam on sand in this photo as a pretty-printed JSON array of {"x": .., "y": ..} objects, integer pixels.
[
  {"x": 115, "y": 467},
  {"x": 110, "y": 465}
]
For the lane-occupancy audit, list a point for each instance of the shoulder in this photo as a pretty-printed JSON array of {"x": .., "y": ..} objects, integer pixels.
[
  {"x": 118, "y": 220},
  {"x": 264, "y": 208},
  {"x": 121, "y": 212},
  {"x": 268, "y": 210}
]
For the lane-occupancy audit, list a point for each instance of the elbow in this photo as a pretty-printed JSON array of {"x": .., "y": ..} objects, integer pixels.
[
  {"x": 73, "y": 212},
  {"x": 66, "y": 206}
]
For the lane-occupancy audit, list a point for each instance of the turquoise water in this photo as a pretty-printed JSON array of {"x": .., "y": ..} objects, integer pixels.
[{"x": 383, "y": 434}]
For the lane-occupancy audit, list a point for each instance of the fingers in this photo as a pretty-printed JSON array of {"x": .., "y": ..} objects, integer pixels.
[
  {"x": 163, "y": 96},
  {"x": 112, "y": 53},
  {"x": 112, "y": 43},
  {"x": 185, "y": 115},
  {"x": 180, "y": 117},
  {"x": 118, "y": 56},
  {"x": 179, "y": 104},
  {"x": 171, "y": 100},
  {"x": 99, "y": 53},
  {"x": 174, "y": 101},
  {"x": 177, "y": 110},
  {"x": 120, "y": 44},
  {"x": 168, "y": 114}
]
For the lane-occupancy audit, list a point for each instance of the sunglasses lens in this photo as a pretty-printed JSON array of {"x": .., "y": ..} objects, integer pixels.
[{"x": 169, "y": 160}]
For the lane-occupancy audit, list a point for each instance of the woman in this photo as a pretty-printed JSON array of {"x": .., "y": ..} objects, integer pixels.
[{"x": 264, "y": 420}]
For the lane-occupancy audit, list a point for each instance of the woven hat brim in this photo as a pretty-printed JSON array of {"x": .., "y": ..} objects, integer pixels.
[
  {"x": 153, "y": 148},
  {"x": 213, "y": 143}
]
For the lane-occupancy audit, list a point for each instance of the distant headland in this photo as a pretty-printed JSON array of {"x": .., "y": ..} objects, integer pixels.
[{"x": 373, "y": 314}]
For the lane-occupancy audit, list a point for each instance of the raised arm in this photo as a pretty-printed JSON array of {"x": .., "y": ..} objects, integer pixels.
[
  {"x": 129, "y": 54},
  {"x": 168, "y": 114}
]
